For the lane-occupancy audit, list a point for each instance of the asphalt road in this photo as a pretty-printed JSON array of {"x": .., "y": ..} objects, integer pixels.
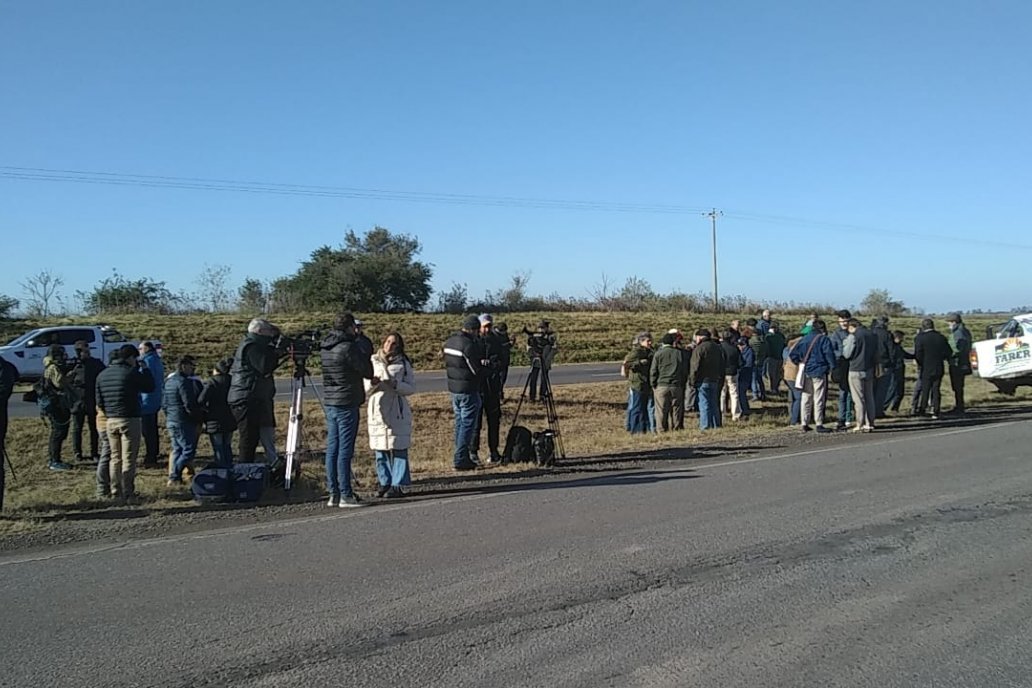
[
  {"x": 899, "y": 559},
  {"x": 426, "y": 381}
]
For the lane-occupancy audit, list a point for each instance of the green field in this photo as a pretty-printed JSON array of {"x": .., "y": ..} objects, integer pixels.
[{"x": 583, "y": 337}]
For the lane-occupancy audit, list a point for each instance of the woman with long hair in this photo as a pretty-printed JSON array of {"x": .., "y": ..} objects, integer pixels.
[{"x": 390, "y": 416}]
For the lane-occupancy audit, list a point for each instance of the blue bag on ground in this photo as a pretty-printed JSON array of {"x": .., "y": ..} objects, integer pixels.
[
  {"x": 249, "y": 481},
  {"x": 213, "y": 485}
]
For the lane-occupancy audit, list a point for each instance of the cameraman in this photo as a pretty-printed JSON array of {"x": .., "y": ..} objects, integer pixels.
[
  {"x": 84, "y": 408},
  {"x": 252, "y": 390},
  {"x": 491, "y": 354},
  {"x": 541, "y": 347}
]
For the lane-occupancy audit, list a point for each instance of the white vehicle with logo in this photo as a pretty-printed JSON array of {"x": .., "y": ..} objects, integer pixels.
[
  {"x": 27, "y": 351},
  {"x": 1005, "y": 359}
]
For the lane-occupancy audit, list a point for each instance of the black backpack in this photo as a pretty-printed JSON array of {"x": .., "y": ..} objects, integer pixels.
[
  {"x": 519, "y": 445},
  {"x": 544, "y": 448}
]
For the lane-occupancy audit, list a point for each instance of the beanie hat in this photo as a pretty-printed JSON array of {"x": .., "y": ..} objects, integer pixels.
[{"x": 471, "y": 322}]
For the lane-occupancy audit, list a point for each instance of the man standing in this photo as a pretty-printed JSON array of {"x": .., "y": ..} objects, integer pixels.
[
  {"x": 775, "y": 356},
  {"x": 346, "y": 362},
  {"x": 252, "y": 390},
  {"x": 84, "y": 408},
  {"x": 886, "y": 368},
  {"x": 707, "y": 371},
  {"x": 636, "y": 367},
  {"x": 182, "y": 416},
  {"x": 502, "y": 330},
  {"x": 817, "y": 356},
  {"x": 841, "y": 373},
  {"x": 464, "y": 370},
  {"x": 667, "y": 377},
  {"x": 861, "y": 350},
  {"x": 931, "y": 350},
  {"x": 150, "y": 404},
  {"x": 729, "y": 390},
  {"x": 8, "y": 378},
  {"x": 541, "y": 350},
  {"x": 119, "y": 392},
  {"x": 55, "y": 403},
  {"x": 765, "y": 323},
  {"x": 960, "y": 360},
  {"x": 758, "y": 344},
  {"x": 490, "y": 391}
]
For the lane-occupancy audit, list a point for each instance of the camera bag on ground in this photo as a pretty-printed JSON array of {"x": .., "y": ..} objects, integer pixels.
[
  {"x": 519, "y": 445},
  {"x": 244, "y": 482},
  {"x": 544, "y": 448}
]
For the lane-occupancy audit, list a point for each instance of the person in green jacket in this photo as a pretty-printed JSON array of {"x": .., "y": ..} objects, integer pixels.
[
  {"x": 668, "y": 376},
  {"x": 776, "y": 343},
  {"x": 636, "y": 368}
]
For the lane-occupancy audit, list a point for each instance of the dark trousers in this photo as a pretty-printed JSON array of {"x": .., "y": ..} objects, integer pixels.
[
  {"x": 537, "y": 377},
  {"x": 249, "y": 423},
  {"x": 899, "y": 389},
  {"x": 492, "y": 410},
  {"x": 931, "y": 387},
  {"x": 60, "y": 420},
  {"x": 3, "y": 450},
  {"x": 149, "y": 430},
  {"x": 883, "y": 387},
  {"x": 957, "y": 382},
  {"x": 89, "y": 420}
]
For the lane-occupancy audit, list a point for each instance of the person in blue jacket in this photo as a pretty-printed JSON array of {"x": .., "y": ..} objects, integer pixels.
[
  {"x": 746, "y": 363},
  {"x": 817, "y": 353},
  {"x": 150, "y": 403}
]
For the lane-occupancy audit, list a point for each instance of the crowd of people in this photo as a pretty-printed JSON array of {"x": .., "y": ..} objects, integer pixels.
[{"x": 718, "y": 372}]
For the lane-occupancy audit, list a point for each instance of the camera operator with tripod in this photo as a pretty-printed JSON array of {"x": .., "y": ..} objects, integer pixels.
[
  {"x": 541, "y": 346},
  {"x": 252, "y": 390},
  {"x": 491, "y": 381}
]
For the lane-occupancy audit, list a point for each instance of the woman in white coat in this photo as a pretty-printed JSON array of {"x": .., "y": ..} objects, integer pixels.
[{"x": 390, "y": 416}]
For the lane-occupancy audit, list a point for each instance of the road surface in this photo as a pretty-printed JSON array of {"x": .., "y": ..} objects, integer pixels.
[
  {"x": 899, "y": 559},
  {"x": 427, "y": 381}
]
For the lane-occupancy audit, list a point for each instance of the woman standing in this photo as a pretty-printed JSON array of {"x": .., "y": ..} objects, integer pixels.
[{"x": 390, "y": 415}]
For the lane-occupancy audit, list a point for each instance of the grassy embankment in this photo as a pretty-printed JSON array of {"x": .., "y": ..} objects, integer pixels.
[{"x": 592, "y": 416}]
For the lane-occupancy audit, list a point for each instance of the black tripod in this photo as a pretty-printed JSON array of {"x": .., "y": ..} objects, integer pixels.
[{"x": 551, "y": 415}]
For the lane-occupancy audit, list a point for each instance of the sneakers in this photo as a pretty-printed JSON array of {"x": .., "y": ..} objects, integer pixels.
[
  {"x": 806, "y": 428},
  {"x": 382, "y": 491},
  {"x": 822, "y": 430},
  {"x": 466, "y": 466},
  {"x": 334, "y": 500},
  {"x": 474, "y": 458},
  {"x": 350, "y": 501},
  {"x": 495, "y": 459},
  {"x": 59, "y": 466},
  {"x": 395, "y": 493},
  {"x": 174, "y": 482}
]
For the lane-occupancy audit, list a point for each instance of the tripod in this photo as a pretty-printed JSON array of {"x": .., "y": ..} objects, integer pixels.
[
  {"x": 551, "y": 415},
  {"x": 295, "y": 437}
]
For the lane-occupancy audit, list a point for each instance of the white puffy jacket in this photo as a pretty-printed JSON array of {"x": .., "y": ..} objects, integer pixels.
[{"x": 389, "y": 414}]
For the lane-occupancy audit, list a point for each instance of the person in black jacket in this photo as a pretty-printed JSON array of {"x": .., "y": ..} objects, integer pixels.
[
  {"x": 931, "y": 350},
  {"x": 462, "y": 363},
  {"x": 83, "y": 379},
  {"x": 490, "y": 391},
  {"x": 8, "y": 378},
  {"x": 732, "y": 361},
  {"x": 502, "y": 330},
  {"x": 118, "y": 396},
  {"x": 885, "y": 382},
  {"x": 346, "y": 362},
  {"x": 219, "y": 422},
  {"x": 182, "y": 417},
  {"x": 252, "y": 390}
]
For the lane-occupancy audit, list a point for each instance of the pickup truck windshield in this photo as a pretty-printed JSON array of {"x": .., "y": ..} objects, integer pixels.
[
  {"x": 22, "y": 339},
  {"x": 112, "y": 336}
]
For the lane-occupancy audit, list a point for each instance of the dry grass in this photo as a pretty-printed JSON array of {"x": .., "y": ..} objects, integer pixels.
[{"x": 592, "y": 421}]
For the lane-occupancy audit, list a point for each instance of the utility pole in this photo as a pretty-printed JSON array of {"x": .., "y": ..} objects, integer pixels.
[{"x": 712, "y": 215}]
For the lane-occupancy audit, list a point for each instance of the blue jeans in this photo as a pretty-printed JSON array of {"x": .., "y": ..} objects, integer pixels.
[
  {"x": 758, "y": 390},
  {"x": 638, "y": 402},
  {"x": 341, "y": 431},
  {"x": 650, "y": 413},
  {"x": 745, "y": 376},
  {"x": 795, "y": 406},
  {"x": 709, "y": 404},
  {"x": 222, "y": 447},
  {"x": 392, "y": 468},
  {"x": 845, "y": 407},
  {"x": 184, "y": 447},
  {"x": 467, "y": 409}
]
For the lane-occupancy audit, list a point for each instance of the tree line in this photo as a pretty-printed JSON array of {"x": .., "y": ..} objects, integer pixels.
[{"x": 379, "y": 272}]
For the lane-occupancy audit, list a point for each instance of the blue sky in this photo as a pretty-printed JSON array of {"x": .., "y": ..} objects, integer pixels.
[{"x": 871, "y": 121}]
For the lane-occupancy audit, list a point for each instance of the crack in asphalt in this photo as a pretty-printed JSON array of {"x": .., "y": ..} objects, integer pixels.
[{"x": 872, "y": 540}]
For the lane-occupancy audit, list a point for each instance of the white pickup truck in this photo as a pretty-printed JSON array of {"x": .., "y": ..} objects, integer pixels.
[
  {"x": 27, "y": 351},
  {"x": 1005, "y": 358}
]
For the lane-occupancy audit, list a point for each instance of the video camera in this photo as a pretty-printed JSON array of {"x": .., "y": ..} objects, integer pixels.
[{"x": 298, "y": 348}]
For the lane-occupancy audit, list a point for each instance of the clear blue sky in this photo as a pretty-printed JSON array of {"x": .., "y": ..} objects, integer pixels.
[{"x": 891, "y": 116}]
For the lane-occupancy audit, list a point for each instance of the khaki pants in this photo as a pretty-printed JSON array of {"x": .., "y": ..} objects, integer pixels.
[
  {"x": 124, "y": 438},
  {"x": 669, "y": 407},
  {"x": 815, "y": 397},
  {"x": 729, "y": 397},
  {"x": 862, "y": 391}
]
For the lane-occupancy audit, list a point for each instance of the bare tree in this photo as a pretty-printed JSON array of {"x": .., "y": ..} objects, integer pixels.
[
  {"x": 213, "y": 288},
  {"x": 40, "y": 289},
  {"x": 601, "y": 293}
]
